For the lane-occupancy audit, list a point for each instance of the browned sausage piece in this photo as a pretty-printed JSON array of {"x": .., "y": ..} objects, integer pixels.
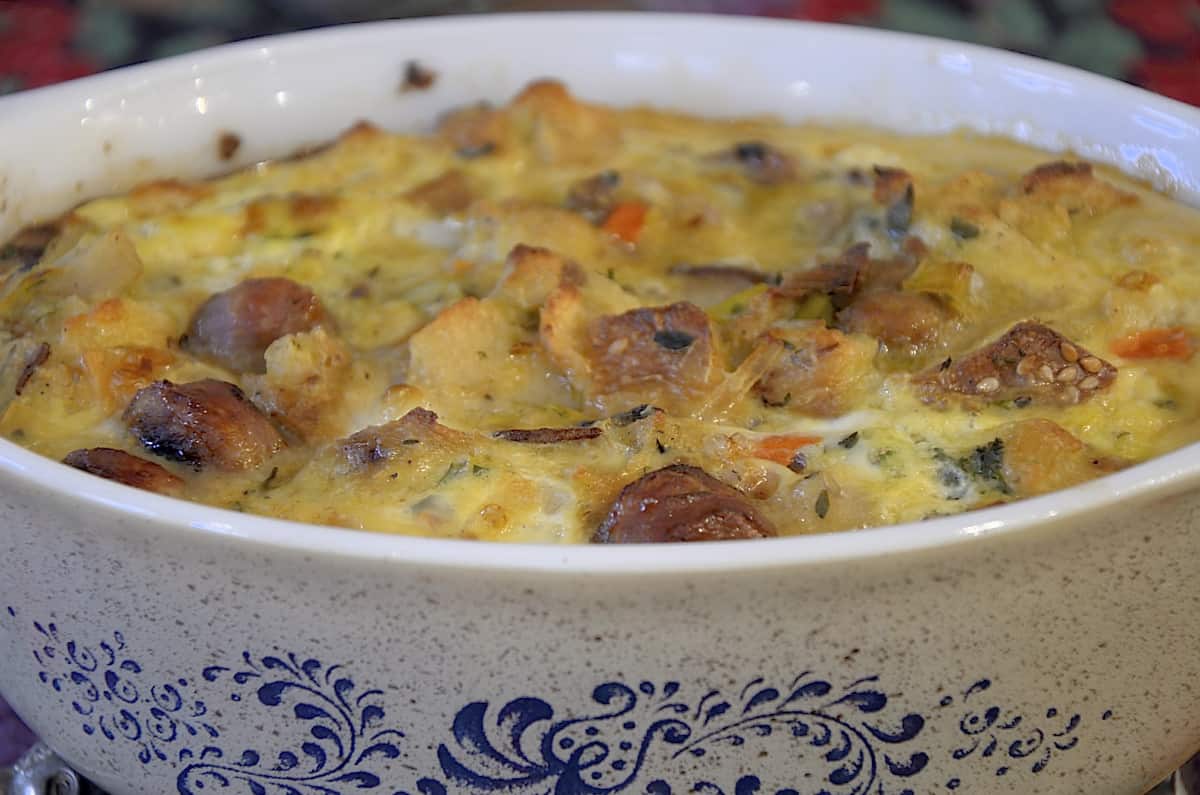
[
  {"x": 202, "y": 423},
  {"x": 681, "y": 503},
  {"x": 124, "y": 468},
  {"x": 233, "y": 328},
  {"x": 548, "y": 435},
  {"x": 717, "y": 270},
  {"x": 1032, "y": 361}
]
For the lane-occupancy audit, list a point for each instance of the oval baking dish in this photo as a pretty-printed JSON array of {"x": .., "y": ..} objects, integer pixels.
[{"x": 163, "y": 646}]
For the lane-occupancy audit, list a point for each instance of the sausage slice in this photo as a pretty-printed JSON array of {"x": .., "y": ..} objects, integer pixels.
[
  {"x": 122, "y": 467},
  {"x": 202, "y": 423},
  {"x": 235, "y": 327},
  {"x": 681, "y": 503}
]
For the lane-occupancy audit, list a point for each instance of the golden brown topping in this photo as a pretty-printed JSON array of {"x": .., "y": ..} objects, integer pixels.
[
  {"x": 289, "y": 216},
  {"x": 202, "y": 423},
  {"x": 1040, "y": 456},
  {"x": 1051, "y": 172},
  {"x": 548, "y": 435},
  {"x": 1026, "y": 363},
  {"x": 124, "y": 468},
  {"x": 653, "y": 354},
  {"x": 681, "y": 503},
  {"x": 448, "y": 193},
  {"x": 234, "y": 328},
  {"x": 474, "y": 130},
  {"x": 384, "y": 442},
  {"x": 820, "y": 371},
  {"x": 903, "y": 321}
]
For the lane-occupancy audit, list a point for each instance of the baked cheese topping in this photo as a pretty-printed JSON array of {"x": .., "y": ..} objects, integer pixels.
[{"x": 555, "y": 321}]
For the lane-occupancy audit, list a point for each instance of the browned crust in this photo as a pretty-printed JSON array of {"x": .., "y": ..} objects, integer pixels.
[{"x": 1030, "y": 361}]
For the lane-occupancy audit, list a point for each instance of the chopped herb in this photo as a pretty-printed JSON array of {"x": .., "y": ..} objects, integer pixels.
[
  {"x": 266, "y": 484},
  {"x": 963, "y": 229},
  {"x": 635, "y": 414},
  {"x": 945, "y": 365},
  {"x": 393, "y": 476},
  {"x": 674, "y": 340},
  {"x": 849, "y": 442},
  {"x": 986, "y": 463},
  {"x": 478, "y": 471},
  {"x": 1166, "y": 403},
  {"x": 661, "y": 448},
  {"x": 953, "y": 480},
  {"x": 612, "y": 274},
  {"x": 822, "y": 506},
  {"x": 410, "y": 441},
  {"x": 479, "y": 150},
  {"x": 750, "y": 151},
  {"x": 1022, "y": 401}
]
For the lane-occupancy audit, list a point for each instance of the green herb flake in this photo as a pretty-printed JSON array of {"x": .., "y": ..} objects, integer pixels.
[
  {"x": 986, "y": 463},
  {"x": 963, "y": 229},
  {"x": 849, "y": 442},
  {"x": 822, "y": 506}
]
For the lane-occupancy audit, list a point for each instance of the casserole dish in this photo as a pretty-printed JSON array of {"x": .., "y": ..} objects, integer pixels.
[{"x": 160, "y": 646}]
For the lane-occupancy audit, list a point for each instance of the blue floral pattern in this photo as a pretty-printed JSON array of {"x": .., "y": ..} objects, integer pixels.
[{"x": 333, "y": 737}]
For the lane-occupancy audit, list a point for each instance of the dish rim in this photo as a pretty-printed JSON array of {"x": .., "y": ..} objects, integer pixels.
[{"x": 1157, "y": 478}]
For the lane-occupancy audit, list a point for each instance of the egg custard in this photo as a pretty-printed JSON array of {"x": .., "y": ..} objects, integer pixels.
[{"x": 556, "y": 321}]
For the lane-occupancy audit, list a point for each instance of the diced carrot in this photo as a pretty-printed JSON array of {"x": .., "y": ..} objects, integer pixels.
[
  {"x": 782, "y": 449},
  {"x": 1156, "y": 343},
  {"x": 626, "y": 221}
]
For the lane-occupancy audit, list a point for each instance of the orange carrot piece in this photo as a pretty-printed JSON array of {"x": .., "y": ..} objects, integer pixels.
[
  {"x": 626, "y": 221},
  {"x": 782, "y": 449},
  {"x": 1156, "y": 343}
]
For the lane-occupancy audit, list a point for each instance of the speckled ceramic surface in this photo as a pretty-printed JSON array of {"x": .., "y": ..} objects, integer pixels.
[{"x": 165, "y": 647}]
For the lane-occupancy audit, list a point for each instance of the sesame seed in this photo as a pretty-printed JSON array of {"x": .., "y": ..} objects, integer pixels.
[
  {"x": 1026, "y": 366},
  {"x": 1045, "y": 373},
  {"x": 1091, "y": 382},
  {"x": 989, "y": 384},
  {"x": 1070, "y": 395},
  {"x": 1091, "y": 364},
  {"x": 1068, "y": 375},
  {"x": 1068, "y": 352}
]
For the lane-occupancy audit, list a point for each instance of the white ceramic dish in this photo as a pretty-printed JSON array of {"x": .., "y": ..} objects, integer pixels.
[{"x": 159, "y": 646}]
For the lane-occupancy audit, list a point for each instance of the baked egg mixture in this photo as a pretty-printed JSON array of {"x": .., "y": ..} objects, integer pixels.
[{"x": 555, "y": 321}]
